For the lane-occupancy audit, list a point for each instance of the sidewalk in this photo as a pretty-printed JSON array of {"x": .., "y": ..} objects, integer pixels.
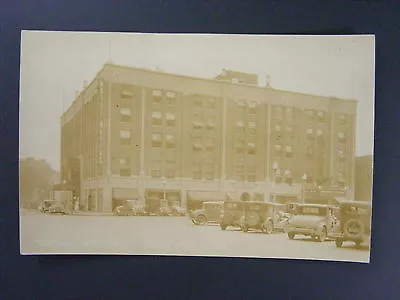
[{"x": 90, "y": 213}]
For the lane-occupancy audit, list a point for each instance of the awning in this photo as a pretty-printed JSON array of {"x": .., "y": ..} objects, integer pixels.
[{"x": 207, "y": 196}]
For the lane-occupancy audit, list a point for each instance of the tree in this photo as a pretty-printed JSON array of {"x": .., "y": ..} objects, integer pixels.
[{"x": 36, "y": 176}]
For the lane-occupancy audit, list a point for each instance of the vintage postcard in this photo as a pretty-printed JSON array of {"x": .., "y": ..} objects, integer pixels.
[{"x": 197, "y": 145}]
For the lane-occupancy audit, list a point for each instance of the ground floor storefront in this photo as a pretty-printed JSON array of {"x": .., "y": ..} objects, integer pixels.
[{"x": 104, "y": 194}]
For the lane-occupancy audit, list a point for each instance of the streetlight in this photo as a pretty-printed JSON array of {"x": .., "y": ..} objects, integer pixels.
[
  {"x": 304, "y": 182},
  {"x": 275, "y": 167}
]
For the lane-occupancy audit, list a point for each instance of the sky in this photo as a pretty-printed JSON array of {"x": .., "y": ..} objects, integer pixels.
[{"x": 54, "y": 66}]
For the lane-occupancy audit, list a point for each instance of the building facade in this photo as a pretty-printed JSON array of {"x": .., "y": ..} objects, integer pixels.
[{"x": 135, "y": 133}]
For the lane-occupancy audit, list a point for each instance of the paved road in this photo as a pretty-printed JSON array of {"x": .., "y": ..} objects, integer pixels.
[{"x": 166, "y": 236}]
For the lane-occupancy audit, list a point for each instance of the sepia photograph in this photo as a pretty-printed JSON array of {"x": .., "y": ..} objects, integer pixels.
[{"x": 216, "y": 145}]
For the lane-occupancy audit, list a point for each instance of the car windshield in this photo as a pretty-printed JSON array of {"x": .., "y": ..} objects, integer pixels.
[
  {"x": 312, "y": 210},
  {"x": 233, "y": 205}
]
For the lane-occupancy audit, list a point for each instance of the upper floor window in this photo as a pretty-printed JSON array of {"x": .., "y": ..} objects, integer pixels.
[
  {"x": 289, "y": 112},
  {"x": 342, "y": 137},
  {"x": 321, "y": 116},
  {"x": 210, "y": 124},
  {"x": 126, "y": 94},
  {"x": 198, "y": 125},
  {"x": 343, "y": 119},
  {"x": 310, "y": 115},
  {"x": 156, "y": 118},
  {"x": 278, "y": 128},
  {"x": 170, "y": 119},
  {"x": 210, "y": 144},
  {"x": 197, "y": 102},
  {"x": 125, "y": 137},
  {"x": 278, "y": 148},
  {"x": 171, "y": 95},
  {"x": 156, "y": 140},
  {"x": 125, "y": 171},
  {"x": 197, "y": 146},
  {"x": 210, "y": 103},
  {"x": 157, "y": 96},
  {"x": 251, "y": 148},
  {"x": 310, "y": 133},
  {"x": 251, "y": 178},
  {"x": 239, "y": 124},
  {"x": 170, "y": 141},
  {"x": 289, "y": 150},
  {"x": 239, "y": 147},
  {"x": 125, "y": 114},
  {"x": 252, "y": 108},
  {"x": 170, "y": 173}
]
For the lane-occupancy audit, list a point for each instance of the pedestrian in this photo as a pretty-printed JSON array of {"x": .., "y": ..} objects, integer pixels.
[{"x": 76, "y": 208}]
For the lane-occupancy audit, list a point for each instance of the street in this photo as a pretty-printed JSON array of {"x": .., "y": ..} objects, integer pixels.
[{"x": 52, "y": 234}]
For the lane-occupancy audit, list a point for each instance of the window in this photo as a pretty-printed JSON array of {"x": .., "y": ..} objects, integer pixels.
[
  {"x": 170, "y": 119},
  {"x": 251, "y": 124},
  {"x": 125, "y": 171},
  {"x": 198, "y": 125},
  {"x": 171, "y": 95},
  {"x": 251, "y": 178},
  {"x": 239, "y": 147},
  {"x": 251, "y": 148},
  {"x": 170, "y": 173},
  {"x": 210, "y": 144},
  {"x": 156, "y": 118},
  {"x": 310, "y": 152},
  {"x": 343, "y": 119},
  {"x": 157, "y": 96},
  {"x": 198, "y": 146},
  {"x": 278, "y": 128},
  {"x": 211, "y": 103},
  {"x": 240, "y": 124},
  {"x": 320, "y": 133},
  {"x": 170, "y": 141},
  {"x": 289, "y": 151},
  {"x": 209, "y": 175},
  {"x": 278, "y": 148},
  {"x": 341, "y": 155},
  {"x": 125, "y": 137},
  {"x": 342, "y": 136},
  {"x": 321, "y": 116},
  {"x": 278, "y": 112},
  {"x": 252, "y": 108},
  {"x": 155, "y": 173},
  {"x": 310, "y": 115},
  {"x": 198, "y": 102},
  {"x": 126, "y": 94},
  {"x": 125, "y": 114},
  {"x": 156, "y": 140},
  {"x": 210, "y": 124},
  {"x": 196, "y": 175},
  {"x": 289, "y": 112}
]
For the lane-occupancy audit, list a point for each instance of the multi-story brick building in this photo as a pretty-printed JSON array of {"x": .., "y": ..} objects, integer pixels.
[{"x": 139, "y": 133}]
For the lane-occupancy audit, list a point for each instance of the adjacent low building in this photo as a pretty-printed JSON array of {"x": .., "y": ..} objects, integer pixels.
[{"x": 137, "y": 133}]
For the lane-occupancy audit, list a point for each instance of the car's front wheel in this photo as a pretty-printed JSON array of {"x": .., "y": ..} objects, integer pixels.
[
  {"x": 223, "y": 226},
  {"x": 291, "y": 235}
]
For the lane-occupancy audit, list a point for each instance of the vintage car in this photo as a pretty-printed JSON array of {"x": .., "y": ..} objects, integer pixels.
[
  {"x": 128, "y": 208},
  {"x": 355, "y": 222},
  {"x": 316, "y": 220},
  {"x": 264, "y": 216},
  {"x": 231, "y": 213},
  {"x": 52, "y": 207},
  {"x": 209, "y": 213}
]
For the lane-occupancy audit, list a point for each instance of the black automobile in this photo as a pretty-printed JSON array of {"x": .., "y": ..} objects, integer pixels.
[{"x": 355, "y": 223}]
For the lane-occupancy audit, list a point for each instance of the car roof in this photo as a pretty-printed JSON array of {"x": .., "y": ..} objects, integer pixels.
[{"x": 213, "y": 202}]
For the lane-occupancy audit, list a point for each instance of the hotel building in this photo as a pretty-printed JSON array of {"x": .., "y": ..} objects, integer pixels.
[{"x": 136, "y": 133}]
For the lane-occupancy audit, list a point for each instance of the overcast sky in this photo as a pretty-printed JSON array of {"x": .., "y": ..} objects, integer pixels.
[{"x": 54, "y": 66}]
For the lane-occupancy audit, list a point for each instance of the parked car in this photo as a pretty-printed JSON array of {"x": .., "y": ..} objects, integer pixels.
[
  {"x": 315, "y": 220},
  {"x": 57, "y": 208},
  {"x": 128, "y": 208},
  {"x": 355, "y": 222},
  {"x": 231, "y": 213},
  {"x": 264, "y": 216},
  {"x": 164, "y": 211},
  {"x": 209, "y": 213}
]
